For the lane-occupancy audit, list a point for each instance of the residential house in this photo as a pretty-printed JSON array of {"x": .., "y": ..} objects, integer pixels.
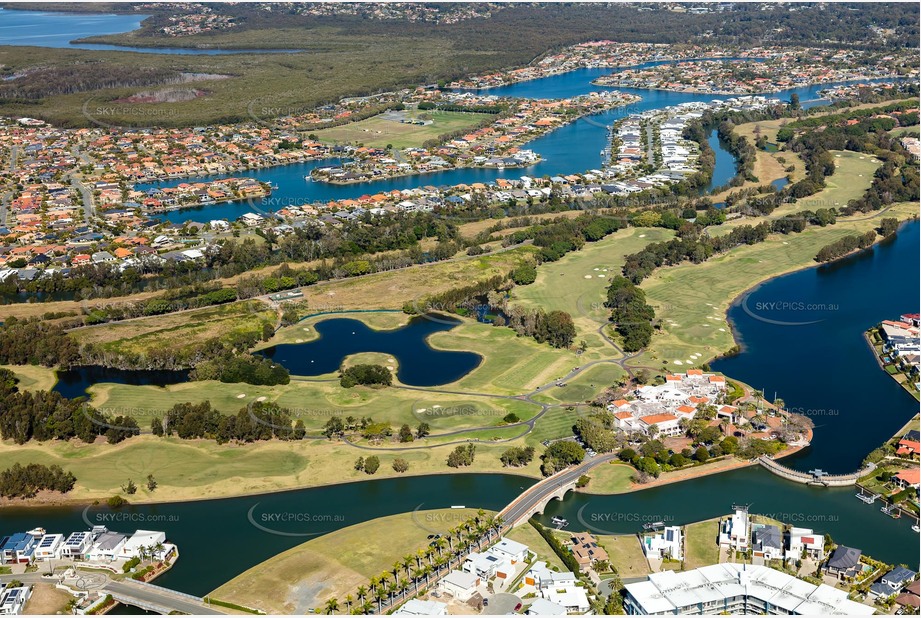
[
  {"x": 767, "y": 542},
  {"x": 17, "y": 548},
  {"x": 460, "y": 585},
  {"x": 49, "y": 547},
  {"x": 573, "y": 598},
  {"x": 418, "y": 607},
  {"x": 735, "y": 531},
  {"x": 515, "y": 552},
  {"x": 804, "y": 543},
  {"x": 844, "y": 562},
  {"x": 543, "y": 607},
  {"x": 586, "y": 550},
  {"x": 487, "y": 565},
  {"x": 665, "y": 544},
  {"x": 77, "y": 545},
  {"x": 12, "y": 600},
  {"x": 144, "y": 540},
  {"x": 892, "y": 582},
  {"x": 908, "y": 478},
  {"x": 107, "y": 547}
]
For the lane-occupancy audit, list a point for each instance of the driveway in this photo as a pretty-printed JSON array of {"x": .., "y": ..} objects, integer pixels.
[{"x": 501, "y": 604}]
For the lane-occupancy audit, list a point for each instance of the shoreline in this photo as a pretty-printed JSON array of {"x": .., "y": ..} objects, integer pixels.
[
  {"x": 343, "y": 183},
  {"x": 726, "y": 93},
  {"x": 882, "y": 367}
]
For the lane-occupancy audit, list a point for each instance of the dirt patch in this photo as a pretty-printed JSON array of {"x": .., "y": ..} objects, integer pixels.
[{"x": 45, "y": 600}]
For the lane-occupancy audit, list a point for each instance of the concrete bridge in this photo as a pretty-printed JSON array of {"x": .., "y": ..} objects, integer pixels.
[
  {"x": 536, "y": 498},
  {"x": 814, "y": 477}
]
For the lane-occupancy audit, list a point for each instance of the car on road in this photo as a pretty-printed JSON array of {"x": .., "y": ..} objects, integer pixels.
[{"x": 518, "y": 607}]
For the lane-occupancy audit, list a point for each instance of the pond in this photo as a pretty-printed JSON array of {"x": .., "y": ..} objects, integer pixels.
[{"x": 417, "y": 363}]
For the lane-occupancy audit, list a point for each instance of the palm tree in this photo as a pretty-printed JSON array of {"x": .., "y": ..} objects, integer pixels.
[
  {"x": 420, "y": 555},
  {"x": 332, "y": 605},
  {"x": 407, "y": 563},
  {"x": 348, "y": 602},
  {"x": 395, "y": 569},
  {"x": 379, "y": 595},
  {"x": 417, "y": 575},
  {"x": 366, "y": 607},
  {"x": 451, "y": 534},
  {"x": 362, "y": 592}
]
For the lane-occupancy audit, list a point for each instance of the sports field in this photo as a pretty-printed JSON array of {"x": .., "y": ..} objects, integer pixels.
[
  {"x": 302, "y": 579},
  {"x": 386, "y": 128}
]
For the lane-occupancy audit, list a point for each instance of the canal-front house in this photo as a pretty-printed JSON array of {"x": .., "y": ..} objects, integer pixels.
[
  {"x": 735, "y": 531},
  {"x": 767, "y": 542},
  {"x": 49, "y": 547},
  {"x": 17, "y": 548},
  {"x": 76, "y": 545},
  {"x": 804, "y": 543},
  {"x": 844, "y": 562},
  {"x": 892, "y": 582}
]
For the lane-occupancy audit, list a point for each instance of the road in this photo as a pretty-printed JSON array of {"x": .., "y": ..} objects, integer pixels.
[
  {"x": 127, "y": 589},
  {"x": 532, "y": 496}
]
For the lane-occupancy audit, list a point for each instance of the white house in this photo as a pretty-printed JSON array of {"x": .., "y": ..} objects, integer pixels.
[
  {"x": 145, "y": 539},
  {"x": 76, "y": 544},
  {"x": 543, "y": 607},
  {"x": 13, "y": 599},
  {"x": 460, "y": 585},
  {"x": 665, "y": 544},
  {"x": 573, "y": 598},
  {"x": 514, "y": 551},
  {"x": 553, "y": 580},
  {"x": 667, "y": 424},
  {"x": 418, "y": 607},
  {"x": 49, "y": 547},
  {"x": 804, "y": 540},
  {"x": 487, "y": 565},
  {"x": 107, "y": 547},
  {"x": 736, "y": 531}
]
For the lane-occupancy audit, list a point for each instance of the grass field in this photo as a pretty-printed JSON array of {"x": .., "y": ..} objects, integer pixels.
[
  {"x": 386, "y": 128},
  {"x": 691, "y": 300},
  {"x": 33, "y": 377},
  {"x": 301, "y": 579},
  {"x": 577, "y": 283},
  {"x": 701, "y": 548},
  {"x": 611, "y": 478},
  {"x": 526, "y": 534},
  {"x": 178, "y": 331},
  {"x": 626, "y": 554},
  {"x": 201, "y": 469},
  {"x": 853, "y": 175}
]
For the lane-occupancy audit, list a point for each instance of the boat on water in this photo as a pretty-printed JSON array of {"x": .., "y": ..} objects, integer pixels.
[
  {"x": 892, "y": 511},
  {"x": 559, "y": 522},
  {"x": 867, "y": 499},
  {"x": 916, "y": 528}
]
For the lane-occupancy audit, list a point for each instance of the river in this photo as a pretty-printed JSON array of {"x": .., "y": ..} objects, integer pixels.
[
  {"x": 556, "y": 148},
  {"x": 52, "y": 29}
]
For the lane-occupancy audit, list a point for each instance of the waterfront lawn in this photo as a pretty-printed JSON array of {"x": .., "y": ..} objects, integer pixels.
[
  {"x": 525, "y": 533},
  {"x": 200, "y": 469},
  {"x": 386, "y": 129},
  {"x": 33, "y": 377},
  {"x": 562, "y": 285},
  {"x": 626, "y": 554},
  {"x": 701, "y": 545},
  {"x": 610, "y": 478},
  {"x": 691, "y": 300},
  {"x": 301, "y": 579}
]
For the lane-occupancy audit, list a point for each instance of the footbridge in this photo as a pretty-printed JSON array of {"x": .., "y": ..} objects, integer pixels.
[
  {"x": 536, "y": 497},
  {"x": 814, "y": 477}
]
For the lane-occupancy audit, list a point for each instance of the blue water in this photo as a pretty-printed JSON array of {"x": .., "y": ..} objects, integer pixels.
[
  {"x": 724, "y": 166},
  {"x": 575, "y": 147},
  {"x": 802, "y": 337},
  {"x": 419, "y": 363},
  {"x": 49, "y": 29},
  {"x": 780, "y": 183}
]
